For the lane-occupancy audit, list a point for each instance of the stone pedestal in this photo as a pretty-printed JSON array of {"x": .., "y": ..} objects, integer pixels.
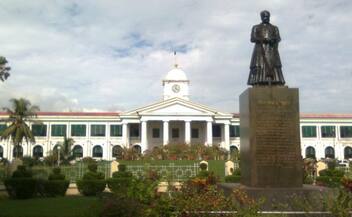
[{"x": 270, "y": 141}]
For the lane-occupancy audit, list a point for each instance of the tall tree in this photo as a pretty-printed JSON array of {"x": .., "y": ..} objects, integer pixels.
[
  {"x": 4, "y": 69},
  {"x": 66, "y": 147},
  {"x": 20, "y": 113}
]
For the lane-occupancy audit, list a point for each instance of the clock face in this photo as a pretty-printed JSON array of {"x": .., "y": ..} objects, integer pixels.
[{"x": 176, "y": 88}]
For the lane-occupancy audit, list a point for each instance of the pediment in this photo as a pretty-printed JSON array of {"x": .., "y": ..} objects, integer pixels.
[{"x": 174, "y": 106}]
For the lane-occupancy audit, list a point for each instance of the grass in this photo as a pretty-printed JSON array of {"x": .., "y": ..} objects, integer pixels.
[{"x": 70, "y": 206}]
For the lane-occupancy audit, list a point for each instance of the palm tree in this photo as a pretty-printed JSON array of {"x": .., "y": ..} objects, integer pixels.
[
  {"x": 66, "y": 146},
  {"x": 20, "y": 113},
  {"x": 4, "y": 70}
]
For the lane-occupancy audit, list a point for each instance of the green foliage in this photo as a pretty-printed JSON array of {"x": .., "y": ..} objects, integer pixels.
[
  {"x": 332, "y": 173},
  {"x": 143, "y": 190},
  {"x": 93, "y": 182},
  {"x": 20, "y": 187},
  {"x": 4, "y": 69},
  {"x": 329, "y": 181},
  {"x": 186, "y": 152},
  {"x": 122, "y": 174},
  {"x": 189, "y": 201},
  {"x": 122, "y": 207},
  {"x": 56, "y": 174},
  {"x": 88, "y": 160},
  {"x": 232, "y": 179},
  {"x": 308, "y": 180},
  {"x": 122, "y": 167},
  {"x": 71, "y": 206},
  {"x": 332, "y": 164},
  {"x": 203, "y": 174},
  {"x": 119, "y": 185},
  {"x": 93, "y": 176},
  {"x": 340, "y": 204},
  {"x": 54, "y": 188},
  {"x": 30, "y": 161},
  {"x": 93, "y": 167},
  {"x": 330, "y": 177},
  {"x": 20, "y": 113},
  {"x": 120, "y": 180},
  {"x": 22, "y": 172},
  {"x": 245, "y": 205},
  {"x": 91, "y": 187}
]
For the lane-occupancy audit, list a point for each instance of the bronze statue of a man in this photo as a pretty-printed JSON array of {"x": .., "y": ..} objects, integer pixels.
[{"x": 265, "y": 68}]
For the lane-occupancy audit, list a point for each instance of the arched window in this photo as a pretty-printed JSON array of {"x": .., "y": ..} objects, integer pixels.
[
  {"x": 1, "y": 152},
  {"x": 97, "y": 151},
  {"x": 77, "y": 151},
  {"x": 233, "y": 149},
  {"x": 329, "y": 152},
  {"x": 348, "y": 152},
  {"x": 310, "y": 152},
  {"x": 17, "y": 151},
  {"x": 37, "y": 151},
  {"x": 117, "y": 152},
  {"x": 137, "y": 149}
]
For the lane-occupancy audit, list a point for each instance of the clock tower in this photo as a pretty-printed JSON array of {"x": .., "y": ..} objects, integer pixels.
[{"x": 176, "y": 84}]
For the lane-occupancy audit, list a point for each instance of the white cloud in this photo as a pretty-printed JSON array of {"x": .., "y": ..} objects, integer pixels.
[{"x": 112, "y": 55}]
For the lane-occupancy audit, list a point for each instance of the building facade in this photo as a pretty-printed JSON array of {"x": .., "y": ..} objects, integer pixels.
[{"x": 173, "y": 120}]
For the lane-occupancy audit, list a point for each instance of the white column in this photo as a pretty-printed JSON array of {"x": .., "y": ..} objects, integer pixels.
[
  {"x": 125, "y": 135},
  {"x": 165, "y": 132},
  {"x": 144, "y": 141},
  {"x": 187, "y": 132},
  {"x": 227, "y": 136},
  {"x": 209, "y": 133}
]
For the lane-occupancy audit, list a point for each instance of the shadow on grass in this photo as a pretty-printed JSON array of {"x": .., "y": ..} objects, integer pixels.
[{"x": 69, "y": 206}]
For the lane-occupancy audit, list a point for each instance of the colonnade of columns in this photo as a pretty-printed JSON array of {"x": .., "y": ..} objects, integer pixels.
[{"x": 166, "y": 131}]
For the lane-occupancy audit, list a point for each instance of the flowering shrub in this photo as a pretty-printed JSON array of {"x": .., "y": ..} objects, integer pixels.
[{"x": 347, "y": 183}]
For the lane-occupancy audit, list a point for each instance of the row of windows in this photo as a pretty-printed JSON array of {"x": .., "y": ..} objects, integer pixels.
[
  {"x": 329, "y": 152},
  {"x": 77, "y": 151},
  {"x": 117, "y": 151},
  {"x": 80, "y": 130},
  {"x": 326, "y": 131}
]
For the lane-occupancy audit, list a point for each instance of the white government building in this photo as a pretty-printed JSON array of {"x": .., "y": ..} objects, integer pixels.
[{"x": 175, "y": 119}]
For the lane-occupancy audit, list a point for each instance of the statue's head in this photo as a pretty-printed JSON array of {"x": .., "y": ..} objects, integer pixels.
[{"x": 265, "y": 15}]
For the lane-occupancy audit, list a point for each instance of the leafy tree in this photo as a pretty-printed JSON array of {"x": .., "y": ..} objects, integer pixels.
[
  {"x": 4, "y": 69},
  {"x": 66, "y": 147},
  {"x": 20, "y": 114}
]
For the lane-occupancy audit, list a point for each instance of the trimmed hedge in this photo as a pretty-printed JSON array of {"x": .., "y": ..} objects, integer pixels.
[
  {"x": 330, "y": 178},
  {"x": 120, "y": 180},
  {"x": 232, "y": 179},
  {"x": 91, "y": 187},
  {"x": 119, "y": 185},
  {"x": 21, "y": 188},
  {"x": 92, "y": 182},
  {"x": 331, "y": 182},
  {"x": 54, "y": 188}
]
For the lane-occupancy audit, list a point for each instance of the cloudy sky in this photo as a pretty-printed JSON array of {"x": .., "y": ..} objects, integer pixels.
[{"x": 112, "y": 55}]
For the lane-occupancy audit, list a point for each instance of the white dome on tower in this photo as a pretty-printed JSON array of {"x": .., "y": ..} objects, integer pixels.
[
  {"x": 176, "y": 84},
  {"x": 176, "y": 74}
]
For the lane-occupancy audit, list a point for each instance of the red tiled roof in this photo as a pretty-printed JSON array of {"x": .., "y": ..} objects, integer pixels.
[
  {"x": 327, "y": 115},
  {"x": 311, "y": 115},
  {"x": 235, "y": 115},
  {"x": 74, "y": 113}
]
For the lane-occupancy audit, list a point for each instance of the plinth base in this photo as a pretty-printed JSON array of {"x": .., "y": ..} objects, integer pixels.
[{"x": 284, "y": 199}]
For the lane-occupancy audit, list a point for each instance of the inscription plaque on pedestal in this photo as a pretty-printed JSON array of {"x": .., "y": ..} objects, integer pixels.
[{"x": 270, "y": 141}]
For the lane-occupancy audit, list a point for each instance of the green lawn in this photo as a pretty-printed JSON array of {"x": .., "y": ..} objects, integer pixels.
[{"x": 70, "y": 206}]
